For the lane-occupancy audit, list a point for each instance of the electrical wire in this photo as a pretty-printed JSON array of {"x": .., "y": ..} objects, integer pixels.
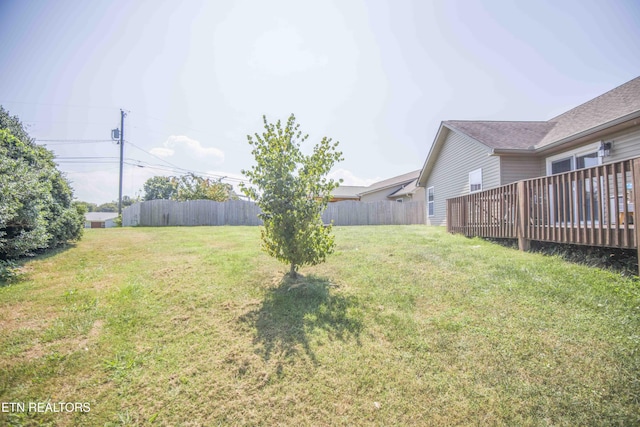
[
  {"x": 78, "y": 160},
  {"x": 72, "y": 141}
]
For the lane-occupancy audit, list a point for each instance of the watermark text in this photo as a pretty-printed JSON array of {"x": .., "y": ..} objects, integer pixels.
[{"x": 44, "y": 407}]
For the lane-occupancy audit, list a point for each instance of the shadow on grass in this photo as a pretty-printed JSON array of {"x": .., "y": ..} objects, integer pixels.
[
  {"x": 293, "y": 312},
  {"x": 12, "y": 271}
]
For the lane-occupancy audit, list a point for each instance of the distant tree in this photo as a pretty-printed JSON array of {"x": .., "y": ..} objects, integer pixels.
[
  {"x": 160, "y": 187},
  {"x": 128, "y": 201},
  {"x": 85, "y": 207},
  {"x": 194, "y": 187},
  {"x": 113, "y": 205},
  {"x": 36, "y": 210},
  {"x": 108, "y": 207},
  {"x": 292, "y": 191}
]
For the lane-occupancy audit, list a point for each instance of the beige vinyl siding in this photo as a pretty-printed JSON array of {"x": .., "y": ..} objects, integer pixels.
[
  {"x": 381, "y": 194},
  {"x": 419, "y": 195},
  {"x": 625, "y": 146},
  {"x": 514, "y": 169},
  {"x": 449, "y": 177}
]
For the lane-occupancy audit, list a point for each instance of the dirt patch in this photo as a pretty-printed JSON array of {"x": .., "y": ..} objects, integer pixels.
[
  {"x": 65, "y": 346},
  {"x": 17, "y": 317}
]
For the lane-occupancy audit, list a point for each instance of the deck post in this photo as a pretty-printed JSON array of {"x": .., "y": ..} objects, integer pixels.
[
  {"x": 635, "y": 167},
  {"x": 522, "y": 214}
]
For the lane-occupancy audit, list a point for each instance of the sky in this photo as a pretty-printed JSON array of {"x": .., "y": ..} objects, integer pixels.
[{"x": 195, "y": 77}]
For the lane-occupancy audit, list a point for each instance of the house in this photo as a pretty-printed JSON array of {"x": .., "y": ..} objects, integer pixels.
[
  {"x": 100, "y": 219},
  {"x": 471, "y": 156},
  {"x": 346, "y": 192},
  {"x": 401, "y": 188}
]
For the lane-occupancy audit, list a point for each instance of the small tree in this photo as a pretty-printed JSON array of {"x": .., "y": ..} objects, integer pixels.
[
  {"x": 292, "y": 190},
  {"x": 160, "y": 187},
  {"x": 194, "y": 187}
]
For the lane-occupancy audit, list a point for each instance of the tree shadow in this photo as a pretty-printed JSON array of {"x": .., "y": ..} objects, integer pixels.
[
  {"x": 291, "y": 312},
  {"x": 14, "y": 271}
]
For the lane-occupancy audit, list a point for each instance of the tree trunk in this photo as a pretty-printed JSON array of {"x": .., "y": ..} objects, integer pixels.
[{"x": 293, "y": 273}]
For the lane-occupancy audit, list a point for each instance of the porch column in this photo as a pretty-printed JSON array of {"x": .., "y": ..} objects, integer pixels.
[
  {"x": 636, "y": 200},
  {"x": 524, "y": 244}
]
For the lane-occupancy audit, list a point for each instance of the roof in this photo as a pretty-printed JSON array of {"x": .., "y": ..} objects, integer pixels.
[
  {"x": 606, "y": 108},
  {"x": 100, "y": 216},
  {"x": 347, "y": 192},
  {"x": 408, "y": 189},
  {"x": 505, "y": 135},
  {"x": 616, "y": 104},
  {"x": 392, "y": 182}
]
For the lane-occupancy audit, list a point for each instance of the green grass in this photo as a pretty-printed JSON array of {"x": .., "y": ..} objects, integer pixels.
[{"x": 403, "y": 325}]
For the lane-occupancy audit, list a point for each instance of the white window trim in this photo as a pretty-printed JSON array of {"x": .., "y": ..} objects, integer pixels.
[
  {"x": 432, "y": 201},
  {"x": 479, "y": 170},
  {"x": 587, "y": 149}
]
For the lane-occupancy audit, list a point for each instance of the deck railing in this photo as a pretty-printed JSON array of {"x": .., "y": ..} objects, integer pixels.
[{"x": 593, "y": 206}]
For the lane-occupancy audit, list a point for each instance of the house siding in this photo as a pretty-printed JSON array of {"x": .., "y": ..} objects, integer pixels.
[
  {"x": 626, "y": 145},
  {"x": 376, "y": 196},
  {"x": 514, "y": 169},
  {"x": 418, "y": 195},
  {"x": 449, "y": 177}
]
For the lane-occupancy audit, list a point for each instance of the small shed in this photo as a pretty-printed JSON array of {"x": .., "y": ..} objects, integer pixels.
[{"x": 100, "y": 219}]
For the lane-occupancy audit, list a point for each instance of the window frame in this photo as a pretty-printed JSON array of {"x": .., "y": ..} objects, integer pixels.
[
  {"x": 431, "y": 208},
  {"x": 474, "y": 174}
]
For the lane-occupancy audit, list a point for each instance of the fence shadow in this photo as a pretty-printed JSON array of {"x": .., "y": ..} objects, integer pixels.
[{"x": 291, "y": 312}]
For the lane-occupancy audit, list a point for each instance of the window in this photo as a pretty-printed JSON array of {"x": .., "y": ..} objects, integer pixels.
[
  {"x": 563, "y": 165},
  {"x": 583, "y": 157},
  {"x": 587, "y": 161},
  {"x": 475, "y": 181},
  {"x": 430, "y": 202}
]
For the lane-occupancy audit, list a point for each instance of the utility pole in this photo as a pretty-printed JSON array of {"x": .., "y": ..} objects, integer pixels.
[{"x": 122, "y": 115}]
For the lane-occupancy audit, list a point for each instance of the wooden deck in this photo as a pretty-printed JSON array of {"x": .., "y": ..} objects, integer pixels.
[{"x": 594, "y": 207}]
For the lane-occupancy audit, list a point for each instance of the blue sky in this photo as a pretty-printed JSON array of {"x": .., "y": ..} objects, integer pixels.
[{"x": 195, "y": 77}]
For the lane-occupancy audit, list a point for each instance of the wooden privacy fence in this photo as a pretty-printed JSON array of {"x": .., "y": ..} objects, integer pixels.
[
  {"x": 594, "y": 206},
  {"x": 158, "y": 213},
  {"x": 375, "y": 213}
]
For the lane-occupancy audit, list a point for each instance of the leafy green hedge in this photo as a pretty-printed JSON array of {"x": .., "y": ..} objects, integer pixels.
[{"x": 35, "y": 198}]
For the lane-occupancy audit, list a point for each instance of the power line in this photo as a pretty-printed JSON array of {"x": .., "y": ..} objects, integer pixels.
[
  {"x": 140, "y": 164},
  {"x": 153, "y": 155},
  {"x": 184, "y": 170},
  {"x": 73, "y": 141},
  {"x": 86, "y": 158},
  {"x": 102, "y": 107}
]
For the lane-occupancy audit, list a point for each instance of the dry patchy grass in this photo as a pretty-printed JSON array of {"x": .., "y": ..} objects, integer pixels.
[{"x": 402, "y": 326}]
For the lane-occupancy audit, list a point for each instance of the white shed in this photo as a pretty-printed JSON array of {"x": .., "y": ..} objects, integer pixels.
[{"x": 100, "y": 219}]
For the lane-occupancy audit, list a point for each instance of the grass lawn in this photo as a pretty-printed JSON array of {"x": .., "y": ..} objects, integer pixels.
[{"x": 404, "y": 325}]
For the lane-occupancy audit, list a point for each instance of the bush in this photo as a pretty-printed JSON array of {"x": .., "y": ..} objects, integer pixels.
[
  {"x": 8, "y": 271},
  {"x": 35, "y": 198}
]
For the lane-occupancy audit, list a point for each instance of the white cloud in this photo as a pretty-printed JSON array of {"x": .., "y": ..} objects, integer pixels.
[
  {"x": 162, "y": 151},
  {"x": 186, "y": 145},
  {"x": 349, "y": 178}
]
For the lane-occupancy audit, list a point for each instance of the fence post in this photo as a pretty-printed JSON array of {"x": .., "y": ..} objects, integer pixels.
[
  {"x": 636, "y": 200},
  {"x": 522, "y": 213}
]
